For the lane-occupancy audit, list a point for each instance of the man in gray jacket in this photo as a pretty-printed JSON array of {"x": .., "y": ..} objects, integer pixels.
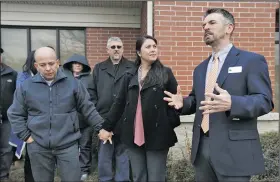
[{"x": 44, "y": 114}]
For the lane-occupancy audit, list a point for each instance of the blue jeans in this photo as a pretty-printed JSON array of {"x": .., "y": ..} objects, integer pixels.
[
  {"x": 43, "y": 163},
  {"x": 107, "y": 155}
]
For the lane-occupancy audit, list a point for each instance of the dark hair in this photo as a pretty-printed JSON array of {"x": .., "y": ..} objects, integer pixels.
[
  {"x": 50, "y": 47},
  {"x": 29, "y": 63},
  {"x": 156, "y": 74},
  {"x": 226, "y": 14}
]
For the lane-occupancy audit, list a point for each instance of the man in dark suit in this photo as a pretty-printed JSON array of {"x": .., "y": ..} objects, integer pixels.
[{"x": 231, "y": 89}]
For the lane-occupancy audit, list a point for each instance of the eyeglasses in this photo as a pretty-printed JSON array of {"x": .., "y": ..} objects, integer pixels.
[{"x": 114, "y": 47}]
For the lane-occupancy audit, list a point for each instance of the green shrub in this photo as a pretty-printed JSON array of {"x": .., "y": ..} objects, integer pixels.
[
  {"x": 270, "y": 145},
  {"x": 182, "y": 170}
]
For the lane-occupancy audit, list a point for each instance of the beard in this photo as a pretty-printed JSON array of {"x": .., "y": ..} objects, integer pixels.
[{"x": 212, "y": 39}]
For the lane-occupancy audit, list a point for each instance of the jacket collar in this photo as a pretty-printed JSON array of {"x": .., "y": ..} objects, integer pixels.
[
  {"x": 134, "y": 82},
  {"x": 59, "y": 76},
  {"x": 5, "y": 69},
  {"x": 124, "y": 66}
]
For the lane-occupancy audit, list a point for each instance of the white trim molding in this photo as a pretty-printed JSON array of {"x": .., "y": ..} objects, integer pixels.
[
  {"x": 150, "y": 18},
  {"x": 70, "y": 16},
  {"x": 272, "y": 116}
]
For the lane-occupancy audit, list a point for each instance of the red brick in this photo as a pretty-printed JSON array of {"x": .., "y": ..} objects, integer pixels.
[
  {"x": 194, "y": 29},
  {"x": 241, "y": 10},
  {"x": 169, "y": 43},
  {"x": 178, "y": 9},
  {"x": 248, "y": 15},
  {"x": 183, "y": 3},
  {"x": 167, "y": 23},
  {"x": 179, "y": 29},
  {"x": 176, "y": 18},
  {"x": 185, "y": 44},
  {"x": 215, "y": 4},
  {"x": 248, "y": 5},
  {"x": 231, "y": 4},
  {"x": 162, "y": 18},
  {"x": 257, "y": 10},
  {"x": 185, "y": 13},
  {"x": 184, "y": 24},
  {"x": 166, "y": 2},
  {"x": 183, "y": 34},
  {"x": 197, "y": 9},
  {"x": 263, "y": 15},
  {"x": 199, "y": 14},
  {"x": 165, "y": 28},
  {"x": 199, "y": 3},
  {"x": 199, "y": 19},
  {"x": 263, "y": 5},
  {"x": 167, "y": 13},
  {"x": 166, "y": 8}
]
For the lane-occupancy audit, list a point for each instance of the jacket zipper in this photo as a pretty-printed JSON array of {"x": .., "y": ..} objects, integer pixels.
[{"x": 50, "y": 95}]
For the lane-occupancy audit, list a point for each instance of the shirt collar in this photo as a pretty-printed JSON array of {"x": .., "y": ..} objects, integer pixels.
[{"x": 223, "y": 51}]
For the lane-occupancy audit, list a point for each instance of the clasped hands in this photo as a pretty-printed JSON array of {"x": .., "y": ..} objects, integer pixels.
[
  {"x": 105, "y": 136},
  {"x": 214, "y": 103}
]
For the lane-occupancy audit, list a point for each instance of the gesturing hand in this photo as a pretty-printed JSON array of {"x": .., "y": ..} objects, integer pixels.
[
  {"x": 174, "y": 100},
  {"x": 216, "y": 103}
]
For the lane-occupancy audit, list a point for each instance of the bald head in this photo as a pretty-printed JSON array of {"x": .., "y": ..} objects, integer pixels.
[
  {"x": 43, "y": 52},
  {"x": 46, "y": 62}
]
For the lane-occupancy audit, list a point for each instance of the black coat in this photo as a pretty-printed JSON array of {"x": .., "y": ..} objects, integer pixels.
[
  {"x": 107, "y": 84},
  {"x": 158, "y": 118},
  {"x": 85, "y": 77},
  {"x": 8, "y": 87}
]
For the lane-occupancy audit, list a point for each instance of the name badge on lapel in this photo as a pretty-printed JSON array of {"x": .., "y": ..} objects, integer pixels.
[
  {"x": 9, "y": 80},
  {"x": 236, "y": 69}
]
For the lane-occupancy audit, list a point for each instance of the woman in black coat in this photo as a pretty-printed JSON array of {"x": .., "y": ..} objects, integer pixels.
[{"x": 147, "y": 121}]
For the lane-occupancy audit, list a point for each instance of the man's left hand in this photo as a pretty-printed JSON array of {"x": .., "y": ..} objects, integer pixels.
[
  {"x": 217, "y": 103},
  {"x": 105, "y": 136}
]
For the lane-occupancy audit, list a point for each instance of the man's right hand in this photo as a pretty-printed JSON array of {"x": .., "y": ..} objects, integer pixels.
[
  {"x": 29, "y": 140},
  {"x": 174, "y": 100}
]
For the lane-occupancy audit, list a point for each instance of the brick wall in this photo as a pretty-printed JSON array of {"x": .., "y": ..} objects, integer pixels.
[
  {"x": 97, "y": 41},
  {"x": 178, "y": 28}
]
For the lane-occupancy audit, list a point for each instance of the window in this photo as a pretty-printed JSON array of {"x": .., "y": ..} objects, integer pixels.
[
  {"x": 17, "y": 42},
  {"x": 14, "y": 43},
  {"x": 42, "y": 37},
  {"x": 71, "y": 41}
]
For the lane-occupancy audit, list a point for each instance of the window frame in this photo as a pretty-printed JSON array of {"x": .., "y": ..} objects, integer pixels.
[{"x": 28, "y": 31}]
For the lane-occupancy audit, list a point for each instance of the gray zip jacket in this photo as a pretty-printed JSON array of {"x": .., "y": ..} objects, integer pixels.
[{"x": 49, "y": 113}]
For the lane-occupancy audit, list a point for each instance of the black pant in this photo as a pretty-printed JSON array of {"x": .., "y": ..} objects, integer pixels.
[
  {"x": 6, "y": 153},
  {"x": 204, "y": 170},
  {"x": 85, "y": 148},
  {"x": 28, "y": 177}
]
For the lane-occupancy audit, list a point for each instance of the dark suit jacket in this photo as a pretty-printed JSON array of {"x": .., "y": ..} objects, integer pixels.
[{"x": 235, "y": 147}]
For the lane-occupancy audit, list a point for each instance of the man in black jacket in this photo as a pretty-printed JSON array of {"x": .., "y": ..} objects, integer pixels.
[
  {"x": 8, "y": 85},
  {"x": 44, "y": 113},
  {"x": 107, "y": 79}
]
